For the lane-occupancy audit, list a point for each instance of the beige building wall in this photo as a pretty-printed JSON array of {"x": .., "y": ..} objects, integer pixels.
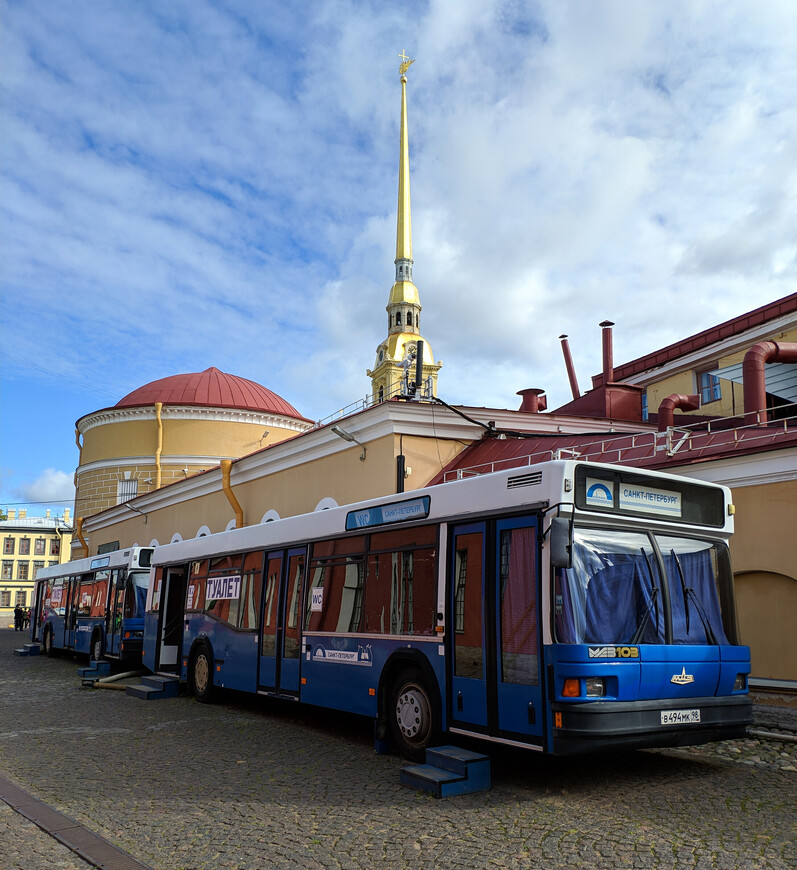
[
  {"x": 765, "y": 570},
  {"x": 341, "y": 476}
]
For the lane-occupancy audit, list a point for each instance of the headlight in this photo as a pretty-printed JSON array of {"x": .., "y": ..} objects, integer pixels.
[
  {"x": 740, "y": 683},
  {"x": 596, "y": 687}
]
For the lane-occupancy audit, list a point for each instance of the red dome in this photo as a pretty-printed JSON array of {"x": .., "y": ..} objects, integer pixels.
[{"x": 210, "y": 388}]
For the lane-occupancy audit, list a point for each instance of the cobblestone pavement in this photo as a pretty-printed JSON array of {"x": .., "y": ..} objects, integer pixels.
[{"x": 247, "y": 783}]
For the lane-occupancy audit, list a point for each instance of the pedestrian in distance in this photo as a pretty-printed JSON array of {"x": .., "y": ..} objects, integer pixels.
[{"x": 18, "y": 617}]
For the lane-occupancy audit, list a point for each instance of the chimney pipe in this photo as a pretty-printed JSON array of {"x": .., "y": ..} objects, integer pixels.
[
  {"x": 534, "y": 400},
  {"x": 608, "y": 361},
  {"x": 754, "y": 376},
  {"x": 571, "y": 371},
  {"x": 671, "y": 403}
]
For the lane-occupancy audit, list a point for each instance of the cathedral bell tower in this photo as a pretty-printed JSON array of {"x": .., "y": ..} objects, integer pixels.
[{"x": 395, "y": 370}]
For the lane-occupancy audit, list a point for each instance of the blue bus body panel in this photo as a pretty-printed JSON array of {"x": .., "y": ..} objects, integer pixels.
[
  {"x": 235, "y": 653},
  {"x": 343, "y": 672},
  {"x": 650, "y": 671},
  {"x": 684, "y": 671},
  {"x": 151, "y": 635}
]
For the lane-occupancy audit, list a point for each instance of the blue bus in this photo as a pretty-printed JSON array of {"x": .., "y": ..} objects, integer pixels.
[
  {"x": 565, "y": 607},
  {"x": 94, "y": 606}
]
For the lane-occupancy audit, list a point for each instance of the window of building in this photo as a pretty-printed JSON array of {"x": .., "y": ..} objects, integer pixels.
[
  {"x": 24, "y": 546},
  {"x": 22, "y": 570},
  {"x": 36, "y": 566},
  {"x": 5, "y": 598},
  {"x": 39, "y": 547},
  {"x": 409, "y": 318},
  {"x": 398, "y": 318},
  {"x": 8, "y": 546},
  {"x": 710, "y": 390},
  {"x": 55, "y": 549},
  {"x": 125, "y": 490},
  {"x": 21, "y": 598},
  {"x": 8, "y": 570},
  {"x": 644, "y": 406}
]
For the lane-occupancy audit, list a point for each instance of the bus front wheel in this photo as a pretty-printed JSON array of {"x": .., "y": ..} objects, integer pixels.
[
  {"x": 202, "y": 674},
  {"x": 96, "y": 647},
  {"x": 411, "y": 715}
]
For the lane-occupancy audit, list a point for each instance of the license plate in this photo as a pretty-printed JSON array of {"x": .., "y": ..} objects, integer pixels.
[{"x": 679, "y": 717}]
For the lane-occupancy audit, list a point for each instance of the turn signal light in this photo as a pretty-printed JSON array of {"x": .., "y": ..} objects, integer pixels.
[{"x": 572, "y": 688}]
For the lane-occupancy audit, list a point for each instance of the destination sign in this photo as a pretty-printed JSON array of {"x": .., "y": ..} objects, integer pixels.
[
  {"x": 223, "y": 587},
  {"x": 395, "y": 512},
  {"x": 650, "y": 500}
]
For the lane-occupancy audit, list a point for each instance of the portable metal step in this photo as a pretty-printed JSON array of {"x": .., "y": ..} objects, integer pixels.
[
  {"x": 154, "y": 688},
  {"x": 449, "y": 771},
  {"x": 29, "y": 649},
  {"x": 95, "y": 671}
]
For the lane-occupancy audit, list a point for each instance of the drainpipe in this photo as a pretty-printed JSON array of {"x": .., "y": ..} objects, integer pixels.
[
  {"x": 571, "y": 370},
  {"x": 226, "y": 466},
  {"x": 159, "y": 449},
  {"x": 754, "y": 377},
  {"x": 79, "y": 536},
  {"x": 673, "y": 402}
]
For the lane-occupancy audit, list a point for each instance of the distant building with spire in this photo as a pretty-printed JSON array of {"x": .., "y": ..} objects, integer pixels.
[{"x": 394, "y": 371}]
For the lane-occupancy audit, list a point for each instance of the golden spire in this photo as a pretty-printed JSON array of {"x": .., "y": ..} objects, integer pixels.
[{"x": 404, "y": 221}]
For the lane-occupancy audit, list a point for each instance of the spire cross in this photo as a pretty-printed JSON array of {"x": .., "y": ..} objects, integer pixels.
[{"x": 405, "y": 62}]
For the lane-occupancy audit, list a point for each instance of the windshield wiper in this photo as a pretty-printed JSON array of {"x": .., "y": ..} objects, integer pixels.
[
  {"x": 687, "y": 591},
  {"x": 654, "y": 601}
]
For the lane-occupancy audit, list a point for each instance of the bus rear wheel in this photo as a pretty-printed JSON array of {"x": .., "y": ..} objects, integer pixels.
[
  {"x": 202, "y": 674},
  {"x": 412, "y": 716}
]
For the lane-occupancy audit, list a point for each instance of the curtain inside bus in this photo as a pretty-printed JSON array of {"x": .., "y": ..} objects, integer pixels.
[{"x": 613, "y": 593}]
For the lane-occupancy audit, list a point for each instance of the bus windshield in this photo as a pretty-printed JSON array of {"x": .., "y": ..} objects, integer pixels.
[
  {"x": 629, "y": 587},
  {"x": 138, "y": 583}
]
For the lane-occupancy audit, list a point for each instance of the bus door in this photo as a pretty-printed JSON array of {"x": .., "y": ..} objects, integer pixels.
[
  {"x": 113, "y": 624},
  {"x": 37, "y": 616},
  {"x": 172, "y": 612},
  {"x": 70, "y": 616},
  {"x": 280, "y": 641},
  {"x": 494, "y": 614}
]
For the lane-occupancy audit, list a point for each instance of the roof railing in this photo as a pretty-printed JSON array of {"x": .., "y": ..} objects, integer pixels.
[{"x": 684, "y": 440}]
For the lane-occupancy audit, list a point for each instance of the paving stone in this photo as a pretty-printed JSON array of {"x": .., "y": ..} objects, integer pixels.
[{"x": 246, "y": 784}]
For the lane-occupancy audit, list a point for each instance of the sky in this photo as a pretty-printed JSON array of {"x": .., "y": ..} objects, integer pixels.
[{"x": 199, "y": 183}]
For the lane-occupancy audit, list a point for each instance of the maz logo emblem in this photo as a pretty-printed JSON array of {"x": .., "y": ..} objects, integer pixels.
[{"x": 683, "y": 678}]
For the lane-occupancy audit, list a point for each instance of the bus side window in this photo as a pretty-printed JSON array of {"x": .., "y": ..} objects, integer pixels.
[
  {"x": 468, "y": 574},
  {"x": 291, "y": 646},
  {"x": 400, "y": 586}
]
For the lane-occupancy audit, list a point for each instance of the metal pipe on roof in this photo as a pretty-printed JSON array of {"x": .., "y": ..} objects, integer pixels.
[
  {"x": 754, "y": 376},
  {"x": 675, "y": 401},
  {"x": 571, "y": 371},
  {"x": 608, "y": 360}
]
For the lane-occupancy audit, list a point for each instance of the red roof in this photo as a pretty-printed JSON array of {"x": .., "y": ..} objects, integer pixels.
[
  {"x": 736, "y": 326},
  {"x": 211, "y": 388}
]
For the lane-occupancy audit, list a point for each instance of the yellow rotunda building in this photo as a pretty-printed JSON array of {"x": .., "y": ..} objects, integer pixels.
[{"x": 172, "y": 428}]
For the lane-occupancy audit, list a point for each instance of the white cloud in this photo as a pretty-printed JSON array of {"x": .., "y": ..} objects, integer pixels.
[
  {"x": 50, "y": 486},
  {"x": 198, "y": 183}
]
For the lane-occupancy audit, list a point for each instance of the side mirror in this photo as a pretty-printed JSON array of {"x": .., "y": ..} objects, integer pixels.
[{"x": 560, "y": 542}]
